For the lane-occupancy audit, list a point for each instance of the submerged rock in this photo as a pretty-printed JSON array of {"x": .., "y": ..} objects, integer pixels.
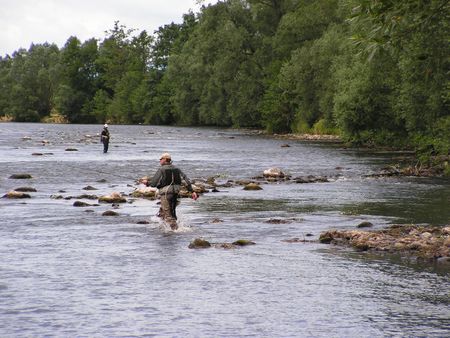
[
  {"x": 311, "y": 179},
  {"x": 25, "y": 189}
]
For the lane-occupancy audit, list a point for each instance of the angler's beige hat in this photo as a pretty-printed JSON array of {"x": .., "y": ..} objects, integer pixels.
[{"x": 166, "y": 156}]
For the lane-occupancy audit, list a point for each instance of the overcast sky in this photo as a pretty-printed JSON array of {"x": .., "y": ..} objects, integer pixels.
[{"x": 23, "y": 22}]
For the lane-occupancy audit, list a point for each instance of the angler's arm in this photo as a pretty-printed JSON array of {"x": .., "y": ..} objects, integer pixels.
[{"x": 186, "y": 179}]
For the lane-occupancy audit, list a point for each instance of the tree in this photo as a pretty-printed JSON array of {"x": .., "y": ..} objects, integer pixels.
[
  {"x": 31, "y": 79},
  {"x": 79, "y": 80}
]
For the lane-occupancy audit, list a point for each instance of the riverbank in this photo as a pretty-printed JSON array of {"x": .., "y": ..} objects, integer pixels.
[{"x": 410, "y": 164}]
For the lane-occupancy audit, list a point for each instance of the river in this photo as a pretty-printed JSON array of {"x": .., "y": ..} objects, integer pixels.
[{"x": 71, "y": 272}]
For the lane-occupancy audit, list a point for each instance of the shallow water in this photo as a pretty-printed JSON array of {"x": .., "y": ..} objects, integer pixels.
[{"x": 67, "y": 271}]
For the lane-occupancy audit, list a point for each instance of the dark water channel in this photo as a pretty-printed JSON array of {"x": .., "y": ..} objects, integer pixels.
[{"x": 71, "y": 272}]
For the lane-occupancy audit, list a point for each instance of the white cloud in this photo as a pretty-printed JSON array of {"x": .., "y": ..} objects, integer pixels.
[{"x": 29, "y": 21}]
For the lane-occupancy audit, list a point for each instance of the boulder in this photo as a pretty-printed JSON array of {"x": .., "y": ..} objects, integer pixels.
[
  {"x": 16, "y": 195},
  {"x": 20, "y": 176},
  {"x": 110, "y": 213},
  {"x": 146, "y": 192},
  {"x": 274, "y": 173},
  {"x": 81, "y": 204},
  {"x": 243, "y": 242},
  {"x": 252, "y": 186},
  {"x": 364, "y": 224},
  {"x": 114, "y": 197},
  {"x": 199, "y": 243}
]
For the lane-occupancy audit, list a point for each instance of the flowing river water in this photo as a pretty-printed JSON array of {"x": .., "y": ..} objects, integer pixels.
[{"x": 71, "y": 272}]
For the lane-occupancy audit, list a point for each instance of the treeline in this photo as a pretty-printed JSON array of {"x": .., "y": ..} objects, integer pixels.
[{"x": 373, "y": 71}]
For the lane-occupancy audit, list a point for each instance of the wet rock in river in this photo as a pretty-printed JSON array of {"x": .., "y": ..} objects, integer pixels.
[
  {"x": 86, "y": 196},
  {"x": 89, "y": 187},
  {"x": 429, "y": 243},
  {"x": 274, "y": 173},
  {"x": 71, "y": 149},
  {"x": 241, "y": 182},
  {"x": 298, "y": 240},
  {"x": 243, "y": 242},
  {"x": 311, "y": 179},
  {"x": 114, "y": 197},
  {"x": 16, "y": 195},
  {"x": 20, "y": 176},
  {"x": 252, "y": 186},
  {"x": 110, "y": 213},
  {"x": 364, "y": 224},
  {"x": 199, "y": 243},
  {"x": 81, "y": 204},
  {"x": 146, "y": 192}
]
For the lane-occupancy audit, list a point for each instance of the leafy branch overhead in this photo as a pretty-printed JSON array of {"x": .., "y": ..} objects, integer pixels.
[{"x": 374, "y": 72}]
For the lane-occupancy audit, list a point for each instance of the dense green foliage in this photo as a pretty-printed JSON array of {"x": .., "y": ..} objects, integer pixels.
[{"x": 373, "y": 71}]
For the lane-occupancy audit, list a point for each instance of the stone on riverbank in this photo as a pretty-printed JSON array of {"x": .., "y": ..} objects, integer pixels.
[{"x": 428, "y": 243}]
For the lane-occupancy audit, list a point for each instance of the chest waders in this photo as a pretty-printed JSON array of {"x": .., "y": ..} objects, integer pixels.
[{"x": 172, "y": 199}]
